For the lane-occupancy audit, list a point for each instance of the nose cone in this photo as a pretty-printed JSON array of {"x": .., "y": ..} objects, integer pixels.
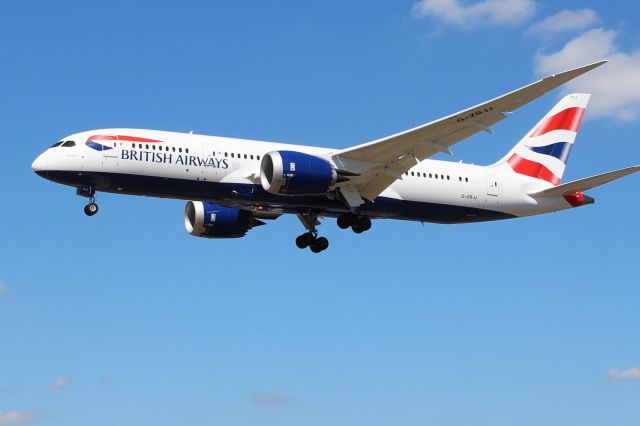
[{"x": 39, "y": 165}]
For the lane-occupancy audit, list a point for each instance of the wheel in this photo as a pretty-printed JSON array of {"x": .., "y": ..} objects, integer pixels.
[
  {"x": 315, "y": 248},
  {"x": 323, "y": 243},
  {"x": 364, "y": 223},
  {"x": 319, "y": 244},
  {"x": 344, "y": 221},
  {"x": 303, "y": 241},
  {"x": 357, "y": 229},
  {"x": 91, "y": 209}
]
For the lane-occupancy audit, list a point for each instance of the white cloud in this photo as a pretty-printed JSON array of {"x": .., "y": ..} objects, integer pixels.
[
  {"x": 632, "y": 373},
  {"x": 565, "y": 21},
  {"x": 61, "y": 382},
  {"x": 482, "y": 13},
  {"x": 15, "y": 417},
  {"x": 615, "y": 86},
  {"x": 268, "y": 399}
]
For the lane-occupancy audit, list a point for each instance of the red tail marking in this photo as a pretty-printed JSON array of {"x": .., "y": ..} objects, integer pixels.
[
  {"x": 533, "y": 169},
  {"x": 569, "y": 119}
]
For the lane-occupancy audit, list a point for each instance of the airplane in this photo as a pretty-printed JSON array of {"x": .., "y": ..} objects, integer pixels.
[{"x": 234, "y": 185}]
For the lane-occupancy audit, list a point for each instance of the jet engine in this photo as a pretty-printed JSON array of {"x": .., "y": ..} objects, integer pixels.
[
  {"x": 296, "y": 173},
  {"x": 210, "y": 220}
]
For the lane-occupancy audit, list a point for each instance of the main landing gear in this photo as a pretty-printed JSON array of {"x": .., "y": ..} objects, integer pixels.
[
  {"x": 358, "y": 224},
  {"x": 310, "y": 238},
  {"x": 90, "y": 193}
]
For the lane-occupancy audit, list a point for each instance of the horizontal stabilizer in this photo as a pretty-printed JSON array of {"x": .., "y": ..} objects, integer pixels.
[{"x": 586, "y": 183}]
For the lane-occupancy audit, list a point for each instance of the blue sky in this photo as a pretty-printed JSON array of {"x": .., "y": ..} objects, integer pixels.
[{"x": 125, "y": 319}]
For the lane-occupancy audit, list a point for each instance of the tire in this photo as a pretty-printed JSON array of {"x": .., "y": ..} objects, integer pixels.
[
  {"x": 315, "y": 248},
  {"x": 91, "y": 209},
  {"x": 357, "y": 229},
  {"x": 344, "y": 221},
  {"x": 323, "y": 243},
  {"x": 303, "y": 241},
  {"x": 364, "y": 223}
]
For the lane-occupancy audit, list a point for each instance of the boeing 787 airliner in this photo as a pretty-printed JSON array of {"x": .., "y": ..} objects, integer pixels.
[{"x": 234, "y": 185}]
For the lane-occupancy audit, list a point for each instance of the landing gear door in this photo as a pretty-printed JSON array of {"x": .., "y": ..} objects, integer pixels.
[{"x": 492, "y": 186}]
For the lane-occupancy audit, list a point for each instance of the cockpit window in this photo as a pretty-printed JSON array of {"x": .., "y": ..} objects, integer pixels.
[
  {"x": 68, "y": 144},
  {"x": 56, "y": 144}
]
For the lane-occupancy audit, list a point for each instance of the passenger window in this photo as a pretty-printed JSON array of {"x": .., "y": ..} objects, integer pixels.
[
  {"x": 258, "y": 157},
  {"x": 436, "y": 176},
  {"x": 252, "y": 156},
  {"x": 466, "y": 179},
  {"x": 146, "y": 146},
  {"x": 411, "y": 173},
  {"x": 179, "y": 149},
  {"x": 430, "y": 176},
  {"x": 448, "y": 177},
  {"x": 173, "y": 148},
  {"x": 186, "y": 150},
  {"x": 232, "y": 155},
  {"x": 245, "y": 156},
  {"x": 225, "y": 154},
  {"x": 441, "y": 176},
  {"x": 153, "y": 147}
]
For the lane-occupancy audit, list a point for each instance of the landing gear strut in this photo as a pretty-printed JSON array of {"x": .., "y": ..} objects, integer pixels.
[
  {"x": 358, "y": 224},
  {"x": 89, "y": 192},
  {"x": 310, "y": 238}
]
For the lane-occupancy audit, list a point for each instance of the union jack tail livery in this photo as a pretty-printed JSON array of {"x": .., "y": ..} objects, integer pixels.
[{"x": 544, "y": 151}]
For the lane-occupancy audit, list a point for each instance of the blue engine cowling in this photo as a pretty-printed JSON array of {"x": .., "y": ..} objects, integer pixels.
[
  {"x": 210, "y": 220},
  {"x": 295, "y": 173}
]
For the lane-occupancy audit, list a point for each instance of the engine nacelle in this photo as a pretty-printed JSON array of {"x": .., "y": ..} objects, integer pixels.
[
  {"x": 210, "y": 220},
  {"x": 295, "y": 173}
]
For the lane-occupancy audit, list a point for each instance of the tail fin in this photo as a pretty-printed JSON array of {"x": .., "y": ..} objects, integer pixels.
[{"x": 543, "y": 152}]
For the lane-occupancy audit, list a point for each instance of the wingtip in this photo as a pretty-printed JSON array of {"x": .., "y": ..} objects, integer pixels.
[{"x": 581, "y": 70}]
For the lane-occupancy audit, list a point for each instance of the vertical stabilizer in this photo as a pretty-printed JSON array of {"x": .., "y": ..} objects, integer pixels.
[{"x": 544, "y": 151}]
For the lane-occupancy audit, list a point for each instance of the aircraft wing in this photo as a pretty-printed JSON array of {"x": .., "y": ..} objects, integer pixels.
[{"x": 373, "y": 166}]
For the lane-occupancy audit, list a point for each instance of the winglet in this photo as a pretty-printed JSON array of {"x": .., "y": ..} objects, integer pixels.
[{"x": 573, "y": 73}]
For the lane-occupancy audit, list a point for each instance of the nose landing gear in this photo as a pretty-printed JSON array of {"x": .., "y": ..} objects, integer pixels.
[
  {"x": 91, "y": 208},
  {"x": 89, "y": 192}
]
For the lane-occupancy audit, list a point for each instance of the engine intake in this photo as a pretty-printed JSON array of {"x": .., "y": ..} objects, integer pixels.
[
  {"x": 296, "y": 173},
  {"x": 210, "y": 220}
]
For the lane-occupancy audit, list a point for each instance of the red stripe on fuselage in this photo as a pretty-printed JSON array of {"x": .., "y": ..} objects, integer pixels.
[
  {"x": 569, "y": 119},
  {"x": 121, "y": 138},
  {"x": 533, "y": 169}
]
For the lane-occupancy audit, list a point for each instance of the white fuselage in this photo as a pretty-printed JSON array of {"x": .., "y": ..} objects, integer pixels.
[{"x": 227, "y": 171}]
